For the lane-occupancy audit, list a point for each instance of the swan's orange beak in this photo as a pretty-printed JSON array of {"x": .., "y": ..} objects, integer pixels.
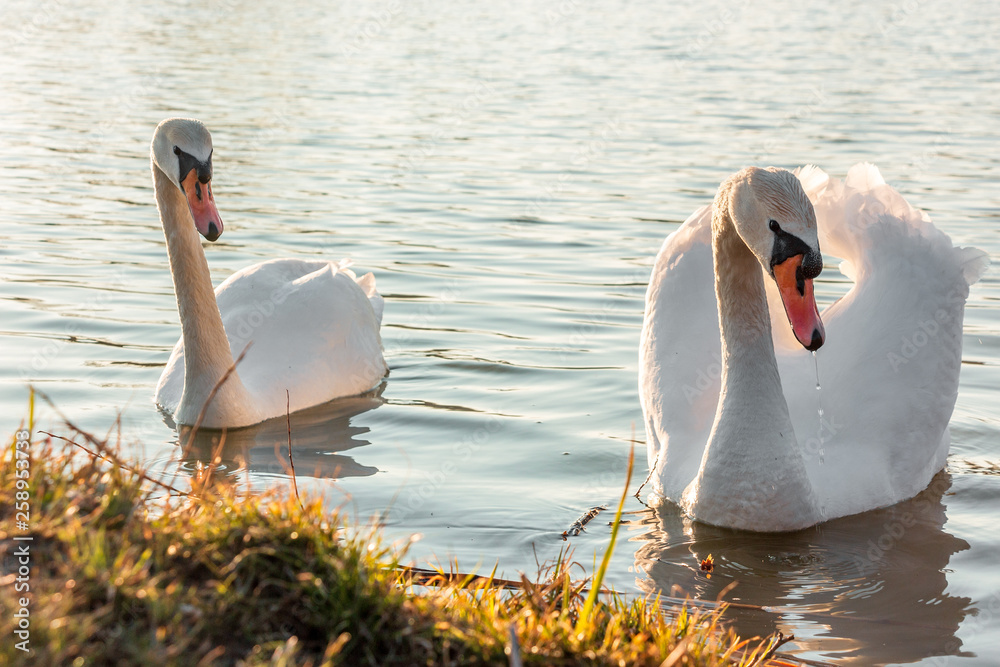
[
  {"x": 800, "y": 304},
  {"x": 202, "y": 204}
]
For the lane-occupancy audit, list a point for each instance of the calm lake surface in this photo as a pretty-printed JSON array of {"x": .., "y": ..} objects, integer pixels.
[{"x": 508, "y": 173}]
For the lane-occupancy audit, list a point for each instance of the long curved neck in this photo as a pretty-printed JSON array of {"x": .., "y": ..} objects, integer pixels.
[
  {"x": 206, "y": 348},
  {"x": 752, "y": 450},
  {"x": 751, "y": 386}
]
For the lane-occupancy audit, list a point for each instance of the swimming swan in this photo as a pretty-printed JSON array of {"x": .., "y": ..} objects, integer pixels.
[
  {"x": 737, "y": 433},
  {"x": 312, "y": 326}
]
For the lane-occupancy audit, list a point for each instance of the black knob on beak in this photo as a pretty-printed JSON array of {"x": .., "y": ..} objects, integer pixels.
[{"x": 213, "y": 232}]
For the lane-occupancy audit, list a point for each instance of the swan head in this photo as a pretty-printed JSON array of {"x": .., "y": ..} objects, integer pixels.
[
  {"x": 182, "y": 150},
  {"x": 776, "y": 220}
]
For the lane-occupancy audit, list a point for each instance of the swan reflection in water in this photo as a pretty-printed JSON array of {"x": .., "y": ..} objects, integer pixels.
[
  {"x": 318, "y": 436},
  {"x": 868, "y": 588}
]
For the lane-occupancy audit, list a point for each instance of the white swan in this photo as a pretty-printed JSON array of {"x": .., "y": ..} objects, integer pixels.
[
  {"x": 312, "y": 326},
  {"x": 734, "y": 429}
]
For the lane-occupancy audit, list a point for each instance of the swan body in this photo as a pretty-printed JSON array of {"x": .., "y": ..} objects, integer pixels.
[
  {"x": 737, "y": 433},
  {"x": 310, "y": 327}
]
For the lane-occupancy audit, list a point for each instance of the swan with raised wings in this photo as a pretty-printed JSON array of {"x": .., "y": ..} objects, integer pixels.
[
  {"x": 312, "y": 326},
  {"x": 737, "y": 433}
]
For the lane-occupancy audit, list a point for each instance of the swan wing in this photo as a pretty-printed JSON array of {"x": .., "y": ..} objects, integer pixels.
[
  {"x": 680, "y": 356},
  {"x": 308, "y": 326},
  {"x": 367, "y": 285},
  {"x": 890, "y": 365},
  {"x": 311, "y": 329}
]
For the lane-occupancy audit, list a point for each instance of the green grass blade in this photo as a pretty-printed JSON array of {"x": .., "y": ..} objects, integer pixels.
[{"x": 595, "y": 588}]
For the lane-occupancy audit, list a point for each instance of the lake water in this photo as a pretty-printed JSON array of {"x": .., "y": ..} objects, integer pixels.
[{"x": 508, "y": 172}]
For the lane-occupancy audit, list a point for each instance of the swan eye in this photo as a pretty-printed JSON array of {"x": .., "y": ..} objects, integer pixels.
[
  {"x": 177, "y": 150},
  {"x": 774, "y": 226}
]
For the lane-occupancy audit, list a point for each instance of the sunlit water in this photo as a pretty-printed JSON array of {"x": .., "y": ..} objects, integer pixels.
[{"x": 508, "y": 172}]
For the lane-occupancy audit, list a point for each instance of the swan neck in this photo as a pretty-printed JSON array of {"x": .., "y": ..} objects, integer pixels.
[
  {"x": 750, "y": 380},
  {"x": 744, "y": 321},
  {"x": 752, "y": 452},
  {"x": 207, "y": 355}
]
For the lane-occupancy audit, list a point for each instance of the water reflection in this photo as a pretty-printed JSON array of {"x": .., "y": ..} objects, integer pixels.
[
  {"x": 868, "y": 588},
  {"x": 317, "y": 435}
]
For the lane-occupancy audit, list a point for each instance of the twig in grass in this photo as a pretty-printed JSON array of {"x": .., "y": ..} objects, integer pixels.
[
  {"x": 291, "y": 463},
  {"x": 776, "y": 641},
  {"x": 213, "y": 655},
  {"x": 425, "y": 577},
  {"x": 102, "y": 450},
  {"x": 721, "y": 597},
  {"x": 106, "y": 455}
]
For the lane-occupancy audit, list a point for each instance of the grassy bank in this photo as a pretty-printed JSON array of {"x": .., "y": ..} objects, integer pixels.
[{"x": 123, "y": 571}]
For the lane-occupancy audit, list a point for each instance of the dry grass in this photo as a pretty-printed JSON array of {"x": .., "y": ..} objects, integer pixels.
[{"x": 124, "y": 573}]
